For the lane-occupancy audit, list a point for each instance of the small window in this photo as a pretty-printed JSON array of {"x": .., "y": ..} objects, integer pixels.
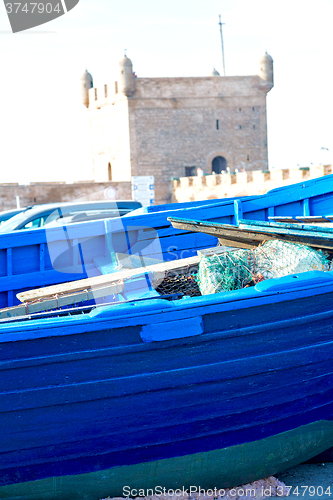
[
  {"x": 217, "y": 124},
  {"x": 190, "y": 171},
  {"x": 253, "y": 109},
  {"x": 254, "y": 126},
  {"x": 240, "y": 109},
  {"x": 109, "y": 172},
  {"x": 105, "y": 90},
  {"x": 248, "y": 158},
  {"x": 240, "y": 126},
  {"x": 95, "y": 94},
  {"x": 116, "y": 87}
]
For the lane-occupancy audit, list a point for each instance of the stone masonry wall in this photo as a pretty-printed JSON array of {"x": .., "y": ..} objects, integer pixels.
[
  {"x": 241, "y": 183},
  {"x": 186, "y": 122},
  {"x": 53, "y": 192},
  {"x": 181, "y": 190},
  {"x": 176, "y": 123}
]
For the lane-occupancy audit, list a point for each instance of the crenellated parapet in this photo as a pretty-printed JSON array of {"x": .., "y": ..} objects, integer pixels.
[
  {"x": 234, "y": 184},
  {"x": 104, "y": 95},
  {"x": 110, "y": 93}
]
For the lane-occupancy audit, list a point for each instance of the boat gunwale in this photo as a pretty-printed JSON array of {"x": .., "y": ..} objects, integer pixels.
[{"x": 149, "y": 311}]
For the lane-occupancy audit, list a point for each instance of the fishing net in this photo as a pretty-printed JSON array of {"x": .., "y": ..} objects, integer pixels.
[
  {"x": 227, "y": 271},
  {"x": 181, "y": 280},
  {"x": 277, "y": 258},
  {"x": 237, "y": 269},
  {"x": 181, "y": 283}
]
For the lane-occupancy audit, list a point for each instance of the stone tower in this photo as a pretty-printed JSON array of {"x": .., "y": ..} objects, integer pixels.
[
  {"x": 86, "y": 84},
  {"x": 126, "y": 77},
  {"x": 266, "y": 71},
  {"x": 169, "y": 127}
]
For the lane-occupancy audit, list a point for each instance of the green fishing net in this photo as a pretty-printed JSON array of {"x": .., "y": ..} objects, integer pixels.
[{"x": 235, "y": 269}]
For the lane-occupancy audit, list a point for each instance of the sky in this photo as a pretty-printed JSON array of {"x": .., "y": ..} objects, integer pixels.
[{"x": 45, "y": 132}]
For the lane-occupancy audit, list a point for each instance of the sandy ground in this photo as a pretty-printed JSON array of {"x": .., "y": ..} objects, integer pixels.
[
  {"x": 312, "y": 481},
  {"x": 319, "y": 476}
]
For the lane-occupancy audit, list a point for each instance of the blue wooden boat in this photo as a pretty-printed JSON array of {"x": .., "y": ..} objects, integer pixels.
[
  {"x": 173, "y": 391},
  {"x": 209, "y": 391},
  {"x": 30, "y": 259}
]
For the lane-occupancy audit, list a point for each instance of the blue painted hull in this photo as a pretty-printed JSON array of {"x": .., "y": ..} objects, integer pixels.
[
  {"x": 106, "y": 389},
  {"x": 30, "y": 259},
  {"x": 140, "y": 383}
]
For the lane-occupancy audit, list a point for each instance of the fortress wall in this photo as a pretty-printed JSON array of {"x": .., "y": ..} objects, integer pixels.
[
  {"x": 168, "y": 125},
  {"x": 187, "y": 87},
  {"x": 182, "y": 87},
  {"x": 52, "y": 192},
  {"x": 181, "y": 190},
  {"x": 242, "y": 183},
  {"x": 176, "y": 123}
]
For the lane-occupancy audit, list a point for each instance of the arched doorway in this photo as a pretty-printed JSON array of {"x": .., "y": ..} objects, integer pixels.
[
  {"x": 219, "y": 164},
  {"x": 109, "y": 172}
]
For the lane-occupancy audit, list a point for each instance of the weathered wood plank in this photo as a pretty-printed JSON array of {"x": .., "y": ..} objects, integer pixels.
[
  {"x": 227, "y": 238},
  {"x": 300, "y": 219},
  {"x": 252, "y": 233},
  {"x": 59, "y": 301},
  {"x": 76, "y": 286}
]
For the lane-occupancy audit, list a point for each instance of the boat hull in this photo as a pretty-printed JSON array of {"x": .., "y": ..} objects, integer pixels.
[
  {"x": 159, "y": 382},
  {"x": 218, "y": 469}
]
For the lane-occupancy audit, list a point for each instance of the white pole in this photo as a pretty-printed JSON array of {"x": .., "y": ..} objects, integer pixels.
[
  {"x": 18, "y": 202},
  {"x": 221, "y": 24}
]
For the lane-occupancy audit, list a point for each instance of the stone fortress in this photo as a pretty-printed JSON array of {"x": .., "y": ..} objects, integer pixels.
[{"x": 170, "y": 127}]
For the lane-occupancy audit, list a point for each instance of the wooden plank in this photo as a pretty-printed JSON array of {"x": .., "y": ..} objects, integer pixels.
[
  {"x": 252, "y": 233},
  {"x": 227, "y": 238},
  {"x": 215, "y": 227},
  {"x": 76, "y": 286},
  {"x": 59, "y": 301},
  {"x": 287, "y": 218},
  {"x": 292, "y": 228},
  {"x": 304, "y": 219},
  {"x": 317, "y": 239}
]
